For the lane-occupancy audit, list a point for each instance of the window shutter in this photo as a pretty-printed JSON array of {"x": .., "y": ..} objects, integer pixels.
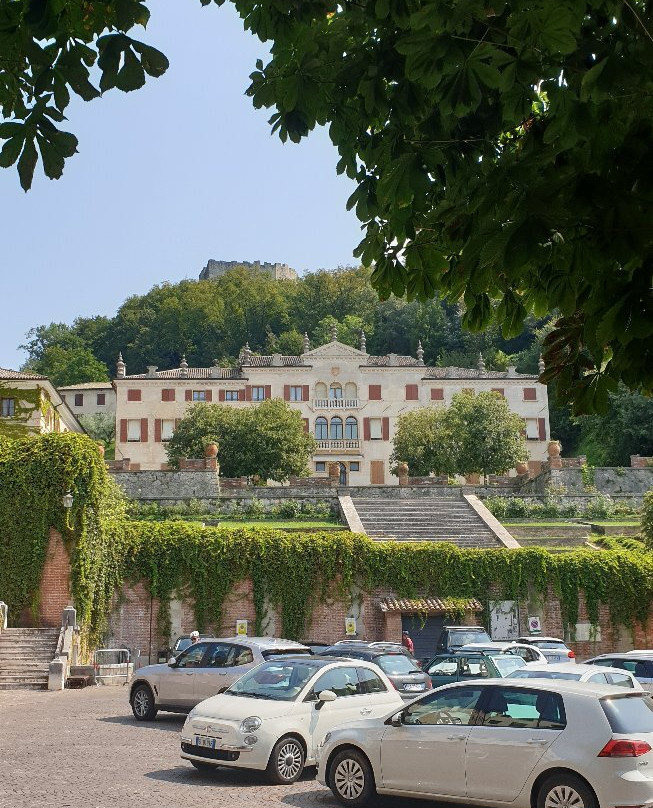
[
  {"x": 189, "y": 395},
  {"x": 530, "y": 394},
  {"x": 123, "y": 430},
  {"x": 366, "y": 429},
  {"x": 305, "y": 422},
  {"x": 241, "y": 395},
  {"x": 437, "y": 394},
  {"x": 133, "y": 395},
  {"x": 220, "y": 395},
  {"x": 208, "y": 395},
  {"x": 248, "y": 392},
  {"x": 164, "y": 394},
  {"x": 143, "y": 430},
  {"x": 385, "y": 426},
  {"x": 374, "y": 392},
  {"x": 268, "y": 391},
  {"x": 541, "y": 423},
  {"x": 286, "y": 392},
  {"x": 157, "y": 430},
  {"x": 412, "y": 393},
  {"x": 171, "y": 394},
  {"x": 499, "y": 390},
  {"x": 304, "y": 392}
]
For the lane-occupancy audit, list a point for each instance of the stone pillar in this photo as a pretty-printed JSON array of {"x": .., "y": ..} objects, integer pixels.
[
  {"x": 554, "y": 447},
  {"x": 402, "y": 473}
]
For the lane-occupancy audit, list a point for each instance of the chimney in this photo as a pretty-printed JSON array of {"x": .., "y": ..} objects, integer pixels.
[
  {"x": 151, "y": 371},
  {"x": 121, "y": 368},
  {"x": 512, "y": 371}
]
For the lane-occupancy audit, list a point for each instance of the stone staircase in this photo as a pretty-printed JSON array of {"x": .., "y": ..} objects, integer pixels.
[
  {"x": 438, "y": 518},
  {"x": 25, "y": 656}
]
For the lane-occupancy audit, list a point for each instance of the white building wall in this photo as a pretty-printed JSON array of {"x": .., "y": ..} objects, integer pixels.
[{"x": 90, "y": 397}]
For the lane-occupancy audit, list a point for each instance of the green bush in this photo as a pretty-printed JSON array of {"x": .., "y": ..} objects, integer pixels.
[
  {"x": 647, "y": 520},
  {"x": 290, "y": 509}
]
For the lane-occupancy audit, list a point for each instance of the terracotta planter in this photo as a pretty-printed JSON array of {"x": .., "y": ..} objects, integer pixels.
[
  {"x": 402, "y": 469},
  {"x": 211, "y": 450},
  {"x": 522, "y": 468},
  {"x": 100, "y": 449},
  {"x": 554, "y": 448},
  {"x": 473, "y": 479}
]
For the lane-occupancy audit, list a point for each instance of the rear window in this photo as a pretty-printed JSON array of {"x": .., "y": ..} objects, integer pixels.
[
  {"x": 273, "y": 653},
  {"x": 548, "y": 644},
  {"x": 507, "y": 664},
  {"x": 630, "y": 714},
  {"x": 395, "y": 664},
  {"x": 458, "y": 638}
]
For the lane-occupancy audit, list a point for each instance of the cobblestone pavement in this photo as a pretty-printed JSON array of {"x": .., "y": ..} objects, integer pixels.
[{"x": 83, "y": 749}]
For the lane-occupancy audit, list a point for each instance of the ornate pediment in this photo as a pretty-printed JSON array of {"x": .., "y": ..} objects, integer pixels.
[{"x": 335, "y": 350}]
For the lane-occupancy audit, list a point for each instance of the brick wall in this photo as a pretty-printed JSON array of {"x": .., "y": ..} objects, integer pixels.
[{"x": 54, "y": 593}]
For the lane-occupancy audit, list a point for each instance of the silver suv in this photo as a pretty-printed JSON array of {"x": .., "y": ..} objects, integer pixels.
[{"x": 201, "y": 671}]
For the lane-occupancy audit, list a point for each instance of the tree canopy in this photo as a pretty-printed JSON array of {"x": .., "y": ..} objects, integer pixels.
[
  {"x": 476, "y": 434},
  {"x": 502, "y": 152},
  {"x": 267, "y": 440}
]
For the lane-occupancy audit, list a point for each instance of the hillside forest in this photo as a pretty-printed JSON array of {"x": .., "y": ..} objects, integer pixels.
[{"x": 211, "y": 320}]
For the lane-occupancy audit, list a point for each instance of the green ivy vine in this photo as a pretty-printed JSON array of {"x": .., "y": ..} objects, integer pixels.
[
  {"x": 26, "y": 402},
  {"x": 35, "y": 473}
]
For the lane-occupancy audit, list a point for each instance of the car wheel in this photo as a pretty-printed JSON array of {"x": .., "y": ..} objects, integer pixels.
[
  {"x": 143, "y": 704},
  {"x": 286, "y": 761},
  {"x": 565, "y": 791},
  {"x": 351, "y": 778}
]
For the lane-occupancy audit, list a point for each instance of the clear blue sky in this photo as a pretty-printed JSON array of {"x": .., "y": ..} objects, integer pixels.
[{"x": 183, "y": 170}]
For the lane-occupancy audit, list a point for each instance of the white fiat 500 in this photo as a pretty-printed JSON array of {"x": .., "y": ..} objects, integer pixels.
[
  {"x": 527, "y": 743},
  {"x": 273, "y": 717}
]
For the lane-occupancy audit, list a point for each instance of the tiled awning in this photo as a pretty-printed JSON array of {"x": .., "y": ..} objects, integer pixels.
[{"x": 428, "y": 605}]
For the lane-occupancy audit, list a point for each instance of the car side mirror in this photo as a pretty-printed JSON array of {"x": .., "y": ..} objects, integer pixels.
[
  {"x": 397, "y": 720},
  {"x": 326, "y": 695},
  {"x": 172, "y": 661}
]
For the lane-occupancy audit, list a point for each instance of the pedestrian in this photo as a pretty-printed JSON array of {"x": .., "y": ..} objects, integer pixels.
[
  {"x": 407, "y": 642},
  {"x": 194, "y": 637}
]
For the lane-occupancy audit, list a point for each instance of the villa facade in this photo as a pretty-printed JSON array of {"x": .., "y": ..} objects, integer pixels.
[{"x": 349, "y": 400}]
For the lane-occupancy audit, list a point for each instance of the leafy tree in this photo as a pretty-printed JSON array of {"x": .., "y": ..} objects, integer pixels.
[
  {"x": 267, "y": 440},
  {"x": 487, "y": 435},
  {"x": 647, "y": 519},
  {"x": 424, "y": 441},
  {"x": 101, "y": 426},
  {"x": 65, "y": 366}
]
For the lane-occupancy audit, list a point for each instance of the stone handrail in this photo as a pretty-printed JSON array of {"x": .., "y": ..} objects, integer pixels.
[
  {"x": 336, "y": 403},
  {"x": 4, "y": 613}
]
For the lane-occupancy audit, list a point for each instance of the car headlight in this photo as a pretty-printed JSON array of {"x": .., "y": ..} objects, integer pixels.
[{"x": 250, "y": 724}]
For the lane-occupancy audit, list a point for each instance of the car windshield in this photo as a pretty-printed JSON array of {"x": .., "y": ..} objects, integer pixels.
[
  {"x": 459, "y": 638},
  {"x": 279, "y": 680},
  {"x": 549, "y": 644},
  {"x": 182, "y": 644},
  {"x": 395, "y": 664},
  {"x": 542, "y": 674},
  {"x": 629, "y": 714},
  {"x": 506, "y": 664}
]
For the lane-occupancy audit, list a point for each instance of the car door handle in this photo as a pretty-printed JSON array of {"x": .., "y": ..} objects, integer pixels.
[
  {"x": 189, "y": 673},
  {"x": 537, "y": 741},
  {"x": 456, "y": 737},
  {"x": 366, "y": 710}
]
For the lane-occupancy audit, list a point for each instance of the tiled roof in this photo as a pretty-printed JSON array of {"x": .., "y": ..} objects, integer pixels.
[
  {"x": 192, "y": 373},
  {"x": 19, "y": 375},
  {"x": 266, "y": 361},
  {"x": 87, "y": 386},
  {"x": 472, "y": 373},
  {"x": 399, "y": 361},
  {"x": 425, "y": 605}
]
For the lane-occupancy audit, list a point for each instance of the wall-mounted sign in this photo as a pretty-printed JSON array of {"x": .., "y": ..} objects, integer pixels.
[
  {"x": 534, "y": 625},
  {"x": 350, "y": 626},
  {"x": 241, "y": 628}
]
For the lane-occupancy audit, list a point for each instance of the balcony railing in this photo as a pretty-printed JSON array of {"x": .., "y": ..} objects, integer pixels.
[
  {"x": 338, "y": 444},
  {"x": 335, "y": 403}
]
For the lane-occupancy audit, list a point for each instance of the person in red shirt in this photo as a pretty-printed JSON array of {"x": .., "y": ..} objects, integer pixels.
[{"x": 407, "y": 642}]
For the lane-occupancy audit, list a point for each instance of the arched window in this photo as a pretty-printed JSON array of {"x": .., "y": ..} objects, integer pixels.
[
  {"x": 351, "y": 391},
  {"x": 351, "y": 428},
  {"x": 321, "y": 390},
  {"x": 336, "y": 428},
  {"x": 335, "y": 391},
  {"x": 321, "y": 429}
]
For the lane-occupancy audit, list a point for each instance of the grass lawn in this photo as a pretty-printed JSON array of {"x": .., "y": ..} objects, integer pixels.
[{"x": 542, "y": 523}]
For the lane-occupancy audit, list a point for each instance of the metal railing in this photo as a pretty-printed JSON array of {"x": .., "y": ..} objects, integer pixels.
[
  {"x": 336, "y": 403},
  {"x": 115, "y": 660},
  {"x": 338, "y": 444}
]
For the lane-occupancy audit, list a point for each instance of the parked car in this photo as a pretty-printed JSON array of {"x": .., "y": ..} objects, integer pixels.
[
  {"x": 639, "y": 663},
  {"x": 553, "y": 648},
  {"x": 452, "y": 638},
  {"x": 386, "y": 645},
  {"x": 463, "y": 666},
  {"x": 181, "y": 643},
  {"x": 316, "y": 647},
  {"x": 529, "y": 653},
  {"x": 578, "y": 673},
  {"x": 500, "y": 742},
  {"x": 202, "y": 670},
  {"x": 274, "y": 716},
  {"x": 401, "y": 669}
]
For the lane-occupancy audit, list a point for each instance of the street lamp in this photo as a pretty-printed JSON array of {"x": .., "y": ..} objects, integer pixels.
[{"x": 67, "y": 500}]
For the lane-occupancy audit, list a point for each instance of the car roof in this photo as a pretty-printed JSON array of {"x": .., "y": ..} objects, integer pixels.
[
  {"x": 464, "y": 628},
  {"x": 472, "y": 646},
  {"x": 580, "y": 668},
  {"x": 266, "y": 643},
  {"x": 539, "y": 638},
  {"x": 627, "y": 655},
  {"x": 556, "y": 685}
]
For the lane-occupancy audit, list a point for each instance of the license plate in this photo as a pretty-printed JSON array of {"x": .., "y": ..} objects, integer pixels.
[
  {"x": 414, "y": 687},
  {"x": 205, "y": 741},
  {"x": 554, "y": 658}
]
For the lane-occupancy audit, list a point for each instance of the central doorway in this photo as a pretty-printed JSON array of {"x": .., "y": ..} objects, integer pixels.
[{"x": 342, "y": 479}]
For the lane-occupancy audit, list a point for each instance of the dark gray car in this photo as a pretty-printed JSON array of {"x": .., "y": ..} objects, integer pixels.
[{"x": 403, "y": 671}]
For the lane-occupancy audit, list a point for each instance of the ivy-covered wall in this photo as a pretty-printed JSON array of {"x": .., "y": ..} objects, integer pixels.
[{"x": 29, "y": 405}]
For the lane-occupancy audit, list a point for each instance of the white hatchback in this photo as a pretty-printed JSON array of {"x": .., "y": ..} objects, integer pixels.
[
  {"x": 273, "y": 717},
  {"x": 579, "y": 673},
  {"x": 530, "y": 744}
]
